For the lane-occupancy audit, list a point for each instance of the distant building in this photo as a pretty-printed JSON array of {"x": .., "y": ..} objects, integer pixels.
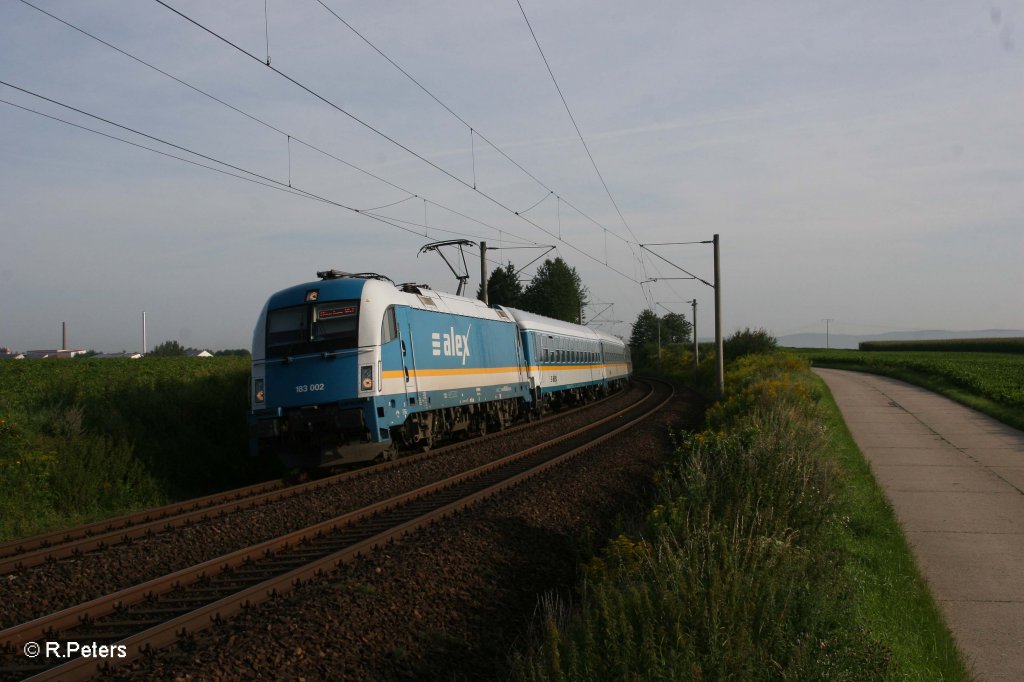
[
  {"x": 53, "y": 354},
  {"x": 122, "y": 354},
  {"x": 8, "y": 354},
  {"x": 193, "y": 353}
]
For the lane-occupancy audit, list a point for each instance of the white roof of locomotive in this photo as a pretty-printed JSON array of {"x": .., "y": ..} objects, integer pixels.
[{"x": 442, "y": 301}]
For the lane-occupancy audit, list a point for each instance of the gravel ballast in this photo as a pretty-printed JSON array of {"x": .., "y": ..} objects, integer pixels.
[
  {"x": 449, "y": 602},
  {"x": 41, "y": 590}
]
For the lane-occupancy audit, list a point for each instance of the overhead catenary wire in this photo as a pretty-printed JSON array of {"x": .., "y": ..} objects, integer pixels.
[
  {"x": 476, "y": 133},
  {"x": 250, "y": 176},
  {"x": 389, "y": 138},
  {"x": 473, "y": 131},
  {"x": 290, "y": 137},
  {"x": 539, "y": 202},
  {"x": 276, "y": 186},
  {"x": 572, "y": 118},
  {"x": 266, "y": 29}
]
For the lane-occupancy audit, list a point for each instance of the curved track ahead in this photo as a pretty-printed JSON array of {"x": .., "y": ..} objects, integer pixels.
[{"x": 155, "y": 614}]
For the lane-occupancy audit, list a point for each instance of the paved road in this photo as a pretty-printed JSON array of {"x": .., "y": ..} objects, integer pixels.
[{"x": 955, "y": 478}]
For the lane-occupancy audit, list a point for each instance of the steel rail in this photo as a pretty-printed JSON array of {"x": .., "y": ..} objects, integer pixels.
[
  {"x": 27, "y": 544},
  {"x": 40, "y": 549},
  {"x": 168, "y": 631}
]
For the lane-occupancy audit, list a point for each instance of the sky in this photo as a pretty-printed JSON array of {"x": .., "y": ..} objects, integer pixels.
[{"x": 862, "y": 162}]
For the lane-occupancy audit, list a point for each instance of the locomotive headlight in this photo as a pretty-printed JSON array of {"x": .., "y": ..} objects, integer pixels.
[
  {"x": 258, "y": 390},
  {"x": 366, "y": 377}
]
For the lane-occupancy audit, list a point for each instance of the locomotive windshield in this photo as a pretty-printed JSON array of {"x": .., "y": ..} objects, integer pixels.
[{"x": 312, "y": 328}]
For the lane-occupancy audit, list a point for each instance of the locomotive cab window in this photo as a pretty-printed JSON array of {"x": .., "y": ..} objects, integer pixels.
[
  {"x": 286, "y": 328},
  {"x": 388, "y": 328},
  {"x": 321, "y": 326},
  {"x": 336, "y": 323}
]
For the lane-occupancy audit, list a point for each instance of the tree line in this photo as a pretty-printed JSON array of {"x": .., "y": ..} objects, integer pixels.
[{"x": 657, "y": 342}]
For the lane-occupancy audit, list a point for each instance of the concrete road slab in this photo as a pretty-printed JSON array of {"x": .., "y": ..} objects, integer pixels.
[
  {"x": 1014, "y": 475},
  {"x": 955, "y": 479},
  {"x": 996, "y": 457},
  {"x": 969, "y": 555},
  {"x": 935, "y": 478},
  {"x": 989, "y": 633},
  {"x": 989, "y": 512},
  {"x": 967, "y": 439},
  {"x": 878, "y": 455},
  {"x": 900, "y": 439}
]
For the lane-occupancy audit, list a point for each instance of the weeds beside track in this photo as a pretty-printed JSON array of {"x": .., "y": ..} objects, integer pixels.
[{"x": 770, "y": 554}]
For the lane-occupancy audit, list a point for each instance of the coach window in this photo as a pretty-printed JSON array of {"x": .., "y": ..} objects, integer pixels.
[{"x": 388, "y": 328}]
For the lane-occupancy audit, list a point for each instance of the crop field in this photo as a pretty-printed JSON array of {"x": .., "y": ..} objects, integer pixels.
[
  {"x": 991, "y": 382},
  {"x": 84, "y": 439},
  {"x": 997, "y": 345}
]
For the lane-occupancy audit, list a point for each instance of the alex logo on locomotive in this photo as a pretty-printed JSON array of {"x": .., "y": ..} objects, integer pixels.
[{"x": 451, "y": 344}]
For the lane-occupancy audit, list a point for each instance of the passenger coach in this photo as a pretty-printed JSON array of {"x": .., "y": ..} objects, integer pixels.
[{"x": 570, "y": 362}]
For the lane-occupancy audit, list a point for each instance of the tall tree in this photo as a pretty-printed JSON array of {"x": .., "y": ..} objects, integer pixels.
[
  {"x": 504, "y": 287},
  {"x": 676, "y": 328},
  {"x": 645, "y": 331},
  {"x": 555, "y": 291},
  {"x": 652, "y": 333},
  {"x": 168, "y": 349}
]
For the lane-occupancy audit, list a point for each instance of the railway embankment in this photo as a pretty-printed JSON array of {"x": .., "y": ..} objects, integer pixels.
[
  {"x": 87, "y": 439},
  {"x": 449, "y": 599},
  {"x": 769, "y": 553},
  {"x": 754, "y": 546}
]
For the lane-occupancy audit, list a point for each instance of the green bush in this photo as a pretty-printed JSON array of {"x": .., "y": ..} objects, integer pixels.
[
  {"x": 748, "y": 342},
  {"x": 734, "y": 576}
]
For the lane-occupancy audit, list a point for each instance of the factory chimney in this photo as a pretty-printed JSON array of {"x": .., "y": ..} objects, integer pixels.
[{"x": 64, "y": 335}]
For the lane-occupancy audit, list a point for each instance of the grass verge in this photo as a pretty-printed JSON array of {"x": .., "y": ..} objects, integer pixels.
[
  {"x": 770, "y": 554},
  {"x": 891, "y": 599},
  {"x": 82, "y": 440},
  {"x": 991, "y": 383}
]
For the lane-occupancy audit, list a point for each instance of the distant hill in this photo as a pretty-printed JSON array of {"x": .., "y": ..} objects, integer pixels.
[{"x": 851, "y": 340}]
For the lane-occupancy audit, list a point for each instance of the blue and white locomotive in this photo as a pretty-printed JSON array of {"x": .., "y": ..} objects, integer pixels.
[{"x": 352, "y": 368}]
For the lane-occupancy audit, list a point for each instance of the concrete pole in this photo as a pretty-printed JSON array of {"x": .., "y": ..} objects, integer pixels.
[
  {"x": 483, "y": 272},
  {"x": 719, "y": 343},
  {"x": 696, "y": 349}
]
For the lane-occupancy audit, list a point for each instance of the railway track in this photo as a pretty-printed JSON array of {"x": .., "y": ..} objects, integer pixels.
[
  {"x": 73, "y": 542},
  {"x": 158, "y": 612}
]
